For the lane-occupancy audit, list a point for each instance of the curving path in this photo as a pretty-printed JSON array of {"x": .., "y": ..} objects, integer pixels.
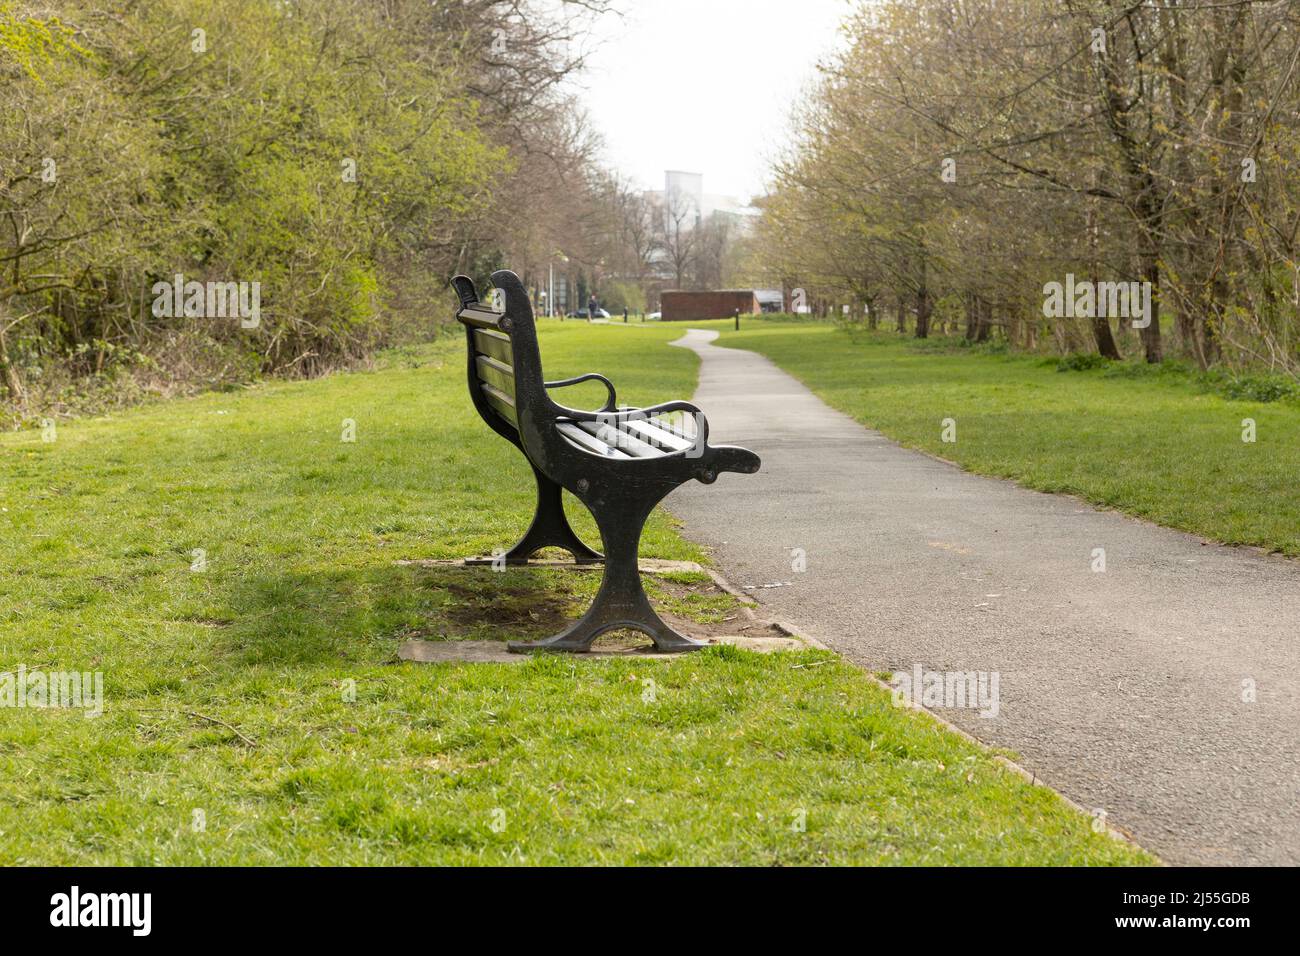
[{"x": 1122, "y": 689}]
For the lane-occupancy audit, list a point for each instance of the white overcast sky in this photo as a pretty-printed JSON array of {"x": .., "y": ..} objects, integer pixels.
[{"x": 704, "y": 86}]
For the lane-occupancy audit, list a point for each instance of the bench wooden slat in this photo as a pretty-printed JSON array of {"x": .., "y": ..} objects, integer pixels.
[
  {"x": 588, "y": 441},
  {"x": 497, "y": 374},
  {"x": 501, "y": 402},
  {"x": 481, "y": 318},
  {"x": 658, "y": 435},
  {"x": 495, "y": 344},
  {"x": 676, "y": 428},
  {"x": 621, "y": 440}
]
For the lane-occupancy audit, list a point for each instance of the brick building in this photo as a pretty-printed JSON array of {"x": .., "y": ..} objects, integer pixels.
[{"x": 695, "y": 306}]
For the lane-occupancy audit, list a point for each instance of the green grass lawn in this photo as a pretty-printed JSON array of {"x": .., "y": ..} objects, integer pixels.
[
  {"x": 255, "y": 711},
  {"x": 1148, "y": 443}
]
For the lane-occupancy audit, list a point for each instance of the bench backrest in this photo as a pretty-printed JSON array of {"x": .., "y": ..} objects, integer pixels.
[{"x": 505, "y": 368}]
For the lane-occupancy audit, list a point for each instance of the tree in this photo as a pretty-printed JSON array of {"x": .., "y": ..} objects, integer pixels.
[
  {"x": 677, "y": 235},
  {"x": 971, "y": 151}
]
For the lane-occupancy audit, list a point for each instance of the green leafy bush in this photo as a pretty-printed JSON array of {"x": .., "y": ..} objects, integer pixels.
[
  {"x": 330, "y": 153},
  {"x": 1081, "y": 362},
  {"x": 1262, "y": 388}
]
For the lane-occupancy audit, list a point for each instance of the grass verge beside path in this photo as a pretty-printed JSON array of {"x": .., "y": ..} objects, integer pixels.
[
  {"x": 1154, "y": 446},
  {"x": 228, "y": 564}
]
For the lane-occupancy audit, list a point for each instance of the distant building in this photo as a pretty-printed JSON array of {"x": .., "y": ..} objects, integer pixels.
[
  {"x": 770, "y": 300},
  {"x": 688, "y": 188},
  {"x": 680, "y": 306}
]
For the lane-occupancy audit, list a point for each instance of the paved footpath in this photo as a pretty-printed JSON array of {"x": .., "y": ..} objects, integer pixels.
[{"x": 1123, "y": 689}]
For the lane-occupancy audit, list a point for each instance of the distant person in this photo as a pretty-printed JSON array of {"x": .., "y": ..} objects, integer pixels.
[{"x": 592, "y": 306}]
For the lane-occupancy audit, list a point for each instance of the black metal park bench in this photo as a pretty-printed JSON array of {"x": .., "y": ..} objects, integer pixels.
[{"x": 619, "y": 462}]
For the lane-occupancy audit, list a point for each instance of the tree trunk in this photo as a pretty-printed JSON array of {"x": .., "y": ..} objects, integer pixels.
[
  {"x": 1105, "y": 341},
  {"x": 923, "y": 306},
  {"x": 1151, "y": 334},
  {"x": 1214, "y": 320},
  {"x": 983, "y": 318},
  {"x": 923, "y": 313},
  {"x": 13, "y": 385},
  {"x": 1106, "y": 346}
]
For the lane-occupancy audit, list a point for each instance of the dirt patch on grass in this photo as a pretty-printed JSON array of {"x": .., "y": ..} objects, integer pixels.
[
  {"x": 509, "y": 607},
  {"x": 528, "y": 603}
]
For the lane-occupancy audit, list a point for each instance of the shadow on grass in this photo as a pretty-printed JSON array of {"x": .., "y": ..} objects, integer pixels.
[{"x": 362, "y": 614}]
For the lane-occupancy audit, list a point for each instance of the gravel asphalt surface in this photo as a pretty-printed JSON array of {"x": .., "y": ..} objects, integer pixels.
[{"x": 1128, "y": 689}]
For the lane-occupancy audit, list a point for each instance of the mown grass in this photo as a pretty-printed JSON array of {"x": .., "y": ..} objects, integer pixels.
[
  {"x": 255, "y": 712},
  {"x": 1150, "y": 442}
]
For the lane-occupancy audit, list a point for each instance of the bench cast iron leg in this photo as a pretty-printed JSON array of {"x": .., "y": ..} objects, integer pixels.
[
  {"x": 621, "y": 601},
  {"x": 550, "y": 529}
]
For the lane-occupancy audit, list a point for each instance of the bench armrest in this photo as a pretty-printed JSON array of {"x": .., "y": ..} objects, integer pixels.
[
  {"x": 620, "y": 417},
  {"x": 609, "y": 406},
  {"x": 616, "y": 417},
  {"x": 613, "y": 417}
]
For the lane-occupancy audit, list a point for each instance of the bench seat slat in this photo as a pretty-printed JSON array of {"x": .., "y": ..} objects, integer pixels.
[
  {"x": 657, "y": 435},
  {"x": 677, "y": 429},
  {"x": 501, "y": 402},
  {"x": 494, "y": 344},
  {"x": 497, "y": 374},
  {"x": 620, "y": 439},
  {"x": 587, "y": 441}
]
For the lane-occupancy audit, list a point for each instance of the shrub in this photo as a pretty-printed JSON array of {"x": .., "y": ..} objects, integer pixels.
[
  {"x": 1261, "y": 388},
  {"x": 1081, "y": 362}
]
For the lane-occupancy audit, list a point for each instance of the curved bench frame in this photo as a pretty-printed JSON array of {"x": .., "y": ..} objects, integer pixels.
[{"x": 620, "y": 492}]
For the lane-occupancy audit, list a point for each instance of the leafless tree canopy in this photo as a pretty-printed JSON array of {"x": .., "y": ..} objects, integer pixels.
[{"x": 960, "y": 154}]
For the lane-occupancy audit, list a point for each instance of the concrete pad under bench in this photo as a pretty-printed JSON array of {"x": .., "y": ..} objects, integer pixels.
[
  {"x": 494, "y": 652},
  {"x": 646, "y": 565}
]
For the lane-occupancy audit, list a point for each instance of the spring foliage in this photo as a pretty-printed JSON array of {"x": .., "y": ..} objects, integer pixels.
[{"x": 329, "y": 151}]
